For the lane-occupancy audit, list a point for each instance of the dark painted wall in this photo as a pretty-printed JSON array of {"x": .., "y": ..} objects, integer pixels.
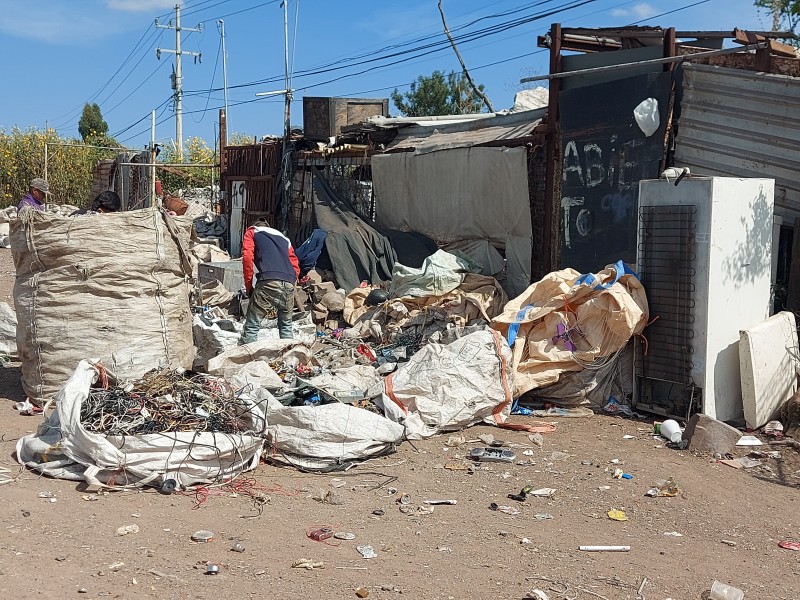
[{"x": 604, "y": 155}]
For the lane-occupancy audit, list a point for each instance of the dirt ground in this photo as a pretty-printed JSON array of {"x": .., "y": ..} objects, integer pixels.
[{"x": 730, "y": 524}]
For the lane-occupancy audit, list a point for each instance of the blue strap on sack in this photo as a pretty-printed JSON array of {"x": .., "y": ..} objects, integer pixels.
[
  {"x": 621, "y": 270},
  {"x": 513, "y": 329}
]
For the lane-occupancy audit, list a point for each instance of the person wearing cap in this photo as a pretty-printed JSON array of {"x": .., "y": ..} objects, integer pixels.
[
  {"x": 37, "y": 192},
  {"x": 269, "y": 252}
]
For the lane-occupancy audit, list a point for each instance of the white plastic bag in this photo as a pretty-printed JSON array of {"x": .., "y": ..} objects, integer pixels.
[{"x": 647, "y": 116}]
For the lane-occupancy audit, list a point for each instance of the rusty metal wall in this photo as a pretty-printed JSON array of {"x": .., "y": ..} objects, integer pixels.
[
  {"x": 604, "y": 156},
  {"x": 249, "y": 182},
  {"x": 743, "y": 124}
]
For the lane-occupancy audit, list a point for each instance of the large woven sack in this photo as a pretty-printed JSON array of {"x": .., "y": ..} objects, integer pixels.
[{"x": 111, "y": 287}]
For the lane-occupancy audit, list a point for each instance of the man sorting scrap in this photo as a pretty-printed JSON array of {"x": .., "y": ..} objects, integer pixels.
[{"x": 270, "y": 253}]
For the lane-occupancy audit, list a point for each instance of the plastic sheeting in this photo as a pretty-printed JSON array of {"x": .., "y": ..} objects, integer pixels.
[
  {"x": 110, "y": 286},
  {"x": 449, "y": 387},
  {"x": 62, "y": 448},
  {"x": 456, "y": 195},
  {"x": 568, "y": 322}
]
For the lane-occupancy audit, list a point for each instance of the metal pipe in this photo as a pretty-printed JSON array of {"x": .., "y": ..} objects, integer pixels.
[{"x": 655, "y": 61}]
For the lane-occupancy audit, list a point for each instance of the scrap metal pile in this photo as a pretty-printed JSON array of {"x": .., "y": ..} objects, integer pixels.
[{"x": 165, "y": 400}]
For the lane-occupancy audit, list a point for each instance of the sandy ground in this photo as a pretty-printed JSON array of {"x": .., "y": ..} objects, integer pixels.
[{"x": 730, "y": 524}]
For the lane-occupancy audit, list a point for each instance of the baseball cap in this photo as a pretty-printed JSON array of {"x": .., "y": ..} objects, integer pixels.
[{"x": 40, "y": 184}]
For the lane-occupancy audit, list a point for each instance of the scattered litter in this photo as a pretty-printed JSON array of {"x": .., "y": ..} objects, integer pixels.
[
  {"x": 722, "y": 591},
  {"x": 620, "y": 474},
  {"x": 749, "y": 463},
  {"x": 116, "y": 566},
  {"x": 671, "y": 430},
  {"x": 378, "y": 512},
  {"x": 604, "y": 487},
  {"x": 237, "y": 547},
  {"x": 774, "y": 429},
  {"x": 307, "y": 563},
  {"x": 457, "y": 440},
  {"x": 525, "y": 541},
  {"x": 543, "y": 516},
  {"x": 492, "y": 455},
  {"x": 615, "y": 408},
  {"x": 749, "y": 440},
  {"x": 456, "y": 466},
  {"x": 604, "y": 548},
  {"x": 730, "y": 543},
  {"x": 486, "y": 438},
  {"x": 666, "y": 488},
  {"x": 536, "y": 595},
  {"x": 543, "y": 492},
  {"x": 774, "y": 454},
  {"x": 438, "y": 502},
  {"x": 344, "y": 535},
  {"x": 203, "y": 536},
  {"x": 126, "y": 529},
  {"x": 26, "y": 408},
  {"x": 367, "y": 551},
  {"x": 444, "y": 548},
  {"x": 321, "y": 534},
  {"x": 46, "y": 495},
  {"x": 731, "y": 463},
  {"x": 559, "y": 456},
  {"x": 362, "y": 592},
  {"x": 628, "y": 437},
  {"x": 337, "y": 482},
  {"x": 527, "y": 452},
  {"x": 673, "y": 534},
  {"x": 404, "y": 499},
  {"x": 617, "y": 515},
  {"x": 523, "y": 494},
  {"x": 416, "y": 510},
  {"x": 537, "y": 439},
  {"x": 90, "y": 497},
  {"x": 509, "y": 510},
  {"x": 788, "y": 545},
  {"x": 212, "y": 569}
]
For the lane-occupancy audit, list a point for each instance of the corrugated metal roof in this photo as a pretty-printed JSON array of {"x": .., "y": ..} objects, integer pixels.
[
  {"x": 742, "y": 124},
  {"x": 430, "y": 138}
]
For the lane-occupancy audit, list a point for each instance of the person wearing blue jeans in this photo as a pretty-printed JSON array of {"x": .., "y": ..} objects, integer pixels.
[{"x": 268, "y": 253}]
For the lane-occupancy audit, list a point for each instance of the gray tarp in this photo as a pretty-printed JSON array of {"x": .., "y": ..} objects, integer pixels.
[
  {"x": 357, "y": 252},
  {"x": 461, "y": 194}
]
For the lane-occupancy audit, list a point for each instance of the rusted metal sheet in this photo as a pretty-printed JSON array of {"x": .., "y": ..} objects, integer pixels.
[
  {"x": 249, "y": 184},
  {"x": 742, "y": 124},
  {"x": 604, "y": 156}
]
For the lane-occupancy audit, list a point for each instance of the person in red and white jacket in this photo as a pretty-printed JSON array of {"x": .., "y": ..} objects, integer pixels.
[{"x": 270, "y": 253}]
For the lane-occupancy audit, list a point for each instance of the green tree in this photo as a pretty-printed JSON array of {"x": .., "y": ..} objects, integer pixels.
[
  {"x": 785, "y": 15},
  {"x": 438, "y": 94},
  {"x": 92, "y": 125}
]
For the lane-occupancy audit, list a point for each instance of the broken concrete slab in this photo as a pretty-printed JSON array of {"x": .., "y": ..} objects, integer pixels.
[{"x": 705, "y": 434}]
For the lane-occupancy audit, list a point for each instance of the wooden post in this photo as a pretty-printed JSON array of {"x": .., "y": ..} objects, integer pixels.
[{"x": 552, "y": 195}]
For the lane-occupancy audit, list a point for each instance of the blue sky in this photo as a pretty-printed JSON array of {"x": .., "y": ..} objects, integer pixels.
[{"x": 57, "y": 54}]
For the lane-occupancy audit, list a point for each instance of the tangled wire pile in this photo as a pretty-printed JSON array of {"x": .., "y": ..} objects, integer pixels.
[{"x": 165, "y": 400}]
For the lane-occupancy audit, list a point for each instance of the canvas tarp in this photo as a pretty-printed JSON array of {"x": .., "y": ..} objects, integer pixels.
[
  {"x": 567, "y": 322},
  {"x": 111, "y": 286},
  {"x": 461, "y": 194},
  {"x": 62, "y": 448},
  {"x": 357, "y": 251}
]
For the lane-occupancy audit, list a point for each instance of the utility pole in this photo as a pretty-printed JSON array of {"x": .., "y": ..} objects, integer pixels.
[
  {"x": 287, "y": 80},
  {"x": 224, "y": 72},
  {"x": 177, "y": 83}
]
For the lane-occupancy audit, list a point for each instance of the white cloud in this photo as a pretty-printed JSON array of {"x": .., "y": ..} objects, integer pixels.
[
  {"x": 59, "y": 24},
  {"x": 643, "y": 10},
  {"x": 141, "y": 5}
]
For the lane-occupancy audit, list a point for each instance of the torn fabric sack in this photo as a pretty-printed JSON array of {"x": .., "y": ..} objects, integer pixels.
[
  {"x": 63, "y": 448},
  {"x": 8, "y": 329},
  {"x": 568, "y": 321},
  {"x": 449, "y": 387}
]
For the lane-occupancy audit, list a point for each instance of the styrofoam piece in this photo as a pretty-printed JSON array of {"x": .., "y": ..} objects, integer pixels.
[{"x": 767, "y": 356}]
